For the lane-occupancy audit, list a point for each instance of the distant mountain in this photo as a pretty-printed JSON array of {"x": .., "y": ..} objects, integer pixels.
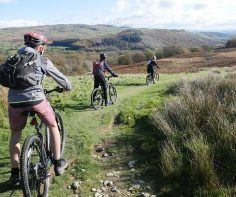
[
  {"x": 223, "y": 35},
  {"x": 85, "y": 37}
]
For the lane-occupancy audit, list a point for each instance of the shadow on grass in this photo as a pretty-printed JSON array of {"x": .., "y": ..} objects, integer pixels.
[
  {"x": 5, "y": 187},
  {"x": 75, "y": 107},
  {"x": 129, "y": 84}
]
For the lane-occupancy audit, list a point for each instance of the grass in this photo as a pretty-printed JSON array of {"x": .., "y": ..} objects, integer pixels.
[
  {"x": 189, "y": 141},
  {"x": 151, "y": 125}
]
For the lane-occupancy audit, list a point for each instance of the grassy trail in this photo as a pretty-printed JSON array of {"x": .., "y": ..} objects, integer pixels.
[
  {"x": 85, "y": 128},
  {"x": 82, "y": 125}
]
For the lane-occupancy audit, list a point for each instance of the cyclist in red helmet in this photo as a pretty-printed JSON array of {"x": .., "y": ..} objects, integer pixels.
[{"x": 33, "y": 99}]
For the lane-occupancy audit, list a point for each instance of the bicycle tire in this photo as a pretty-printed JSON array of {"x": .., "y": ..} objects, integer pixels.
[
  {"x": 62, "y": 136},
  {"x": 157, "y": 76},
  {"x": 112, "y": 93},
  {"x": 148, "y": 79},
  {"x": 62, "y": 131},
  {"x": 97, "y": 98},
  {"x": 34, "y": 177}
]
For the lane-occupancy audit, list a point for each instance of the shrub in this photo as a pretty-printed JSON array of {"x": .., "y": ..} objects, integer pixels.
[
  {"x": 139, "y": 57},
  {"x": 148, "y": 53},
  {"x": 231, "y": 43},
  {"x": 169, "y": 51},
  {"x": 194, "y": 134},
  {"x": 124, "y": 60}
]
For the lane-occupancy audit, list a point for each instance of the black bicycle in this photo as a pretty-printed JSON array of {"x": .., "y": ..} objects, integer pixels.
[
  {"x": 37, "y": 156},
  {"x": 97, "y": 96},
  {"x": 150, "y": 79}
]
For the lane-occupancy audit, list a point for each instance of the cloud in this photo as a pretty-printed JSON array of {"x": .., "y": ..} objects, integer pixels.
[
  {"x": 18, "y": 23},
  {"x": 184, "y": 14}
]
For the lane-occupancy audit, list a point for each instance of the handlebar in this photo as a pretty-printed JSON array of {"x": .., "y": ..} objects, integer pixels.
[{"x": 56, "y": 89}]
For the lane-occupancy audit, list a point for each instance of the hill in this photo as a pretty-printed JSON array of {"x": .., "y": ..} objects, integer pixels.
[{"x": 79, "y": 36}]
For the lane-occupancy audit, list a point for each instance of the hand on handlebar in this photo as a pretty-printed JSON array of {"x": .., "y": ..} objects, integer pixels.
[
  {"x": 114, "y": 75},
  {"x": 59, "y": 89}
]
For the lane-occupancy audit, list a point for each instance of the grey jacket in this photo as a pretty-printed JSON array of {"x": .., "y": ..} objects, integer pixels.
[{"x": 36, "y": 93}]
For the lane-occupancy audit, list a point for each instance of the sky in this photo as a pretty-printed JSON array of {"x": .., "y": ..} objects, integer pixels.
[{"x": 207, "y": 15}]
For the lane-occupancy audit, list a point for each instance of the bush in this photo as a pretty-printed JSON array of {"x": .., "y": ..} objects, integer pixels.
[
  {"x": 231, "y": 43},
  {"x": 195, "y": 133},
  {"x": 124, "y": 60},
  {"x": 169, "y": 51},
  {"x": 194, "y": 49},
  {"x": 159, "y": 54},
  {"x": 138, "y": 57},
  {"x": 148, "y": 53}
]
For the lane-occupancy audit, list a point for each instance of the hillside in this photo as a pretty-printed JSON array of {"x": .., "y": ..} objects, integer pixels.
[{"x": 80, "y": 36}]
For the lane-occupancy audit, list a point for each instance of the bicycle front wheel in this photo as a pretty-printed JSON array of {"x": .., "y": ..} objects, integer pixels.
[
  {"x": 61, "y": 131},
  {"x": 97, "y": 98},
  {"x": 157, "y": 76},
  {"x": 34, "y": 169},
  {"x": 112, "y": 93}
]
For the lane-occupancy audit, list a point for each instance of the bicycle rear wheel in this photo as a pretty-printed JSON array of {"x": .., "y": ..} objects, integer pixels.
[
  {"x": 112, "y": 93},
  {"x": 97, "y": 98},
  {"x": 148, "y": 79},
  {"x": 33, "y": 168}
]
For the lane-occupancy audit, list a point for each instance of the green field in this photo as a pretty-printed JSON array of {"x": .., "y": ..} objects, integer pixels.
[{"x": 126, "y": 125}]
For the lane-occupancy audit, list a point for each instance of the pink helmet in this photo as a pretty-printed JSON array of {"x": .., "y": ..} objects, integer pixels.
[{"x": 35, "y": 39}]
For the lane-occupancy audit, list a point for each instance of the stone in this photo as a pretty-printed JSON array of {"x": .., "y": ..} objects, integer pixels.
[
  {"x": 145, "y": 194},
  {"x": 114, "y": 189},
  {"x": 105, "y": 155},
  {"x": 136, "y": 186},
  {"x": 98, "y": 194},
  {"x": 110, "y": 174},
  {"x": 94, "y": 189},
  {"x": 99, "y": 149},
  {"x": 99, "y": 190},
  {"x": 75, "y": 185},
  {"x": 131, "y": 163}
]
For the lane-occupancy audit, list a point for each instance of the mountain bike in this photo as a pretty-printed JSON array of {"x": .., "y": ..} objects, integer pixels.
[
  {"x": 37, "y": 156},
  {"x": 97, "y": 96},
  {"x": 150, "y": 80}
]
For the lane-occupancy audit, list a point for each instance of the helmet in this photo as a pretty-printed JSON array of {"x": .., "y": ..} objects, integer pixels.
[
  {"x": 34, "y": 39},
  {"x": 103, "y": 56},
  {"x": 154, "y": 58}
]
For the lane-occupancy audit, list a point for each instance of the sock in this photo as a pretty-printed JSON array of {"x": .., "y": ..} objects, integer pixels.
[
  {"x": 57, "y": 162},
  {"x": 15, "y": 171}
]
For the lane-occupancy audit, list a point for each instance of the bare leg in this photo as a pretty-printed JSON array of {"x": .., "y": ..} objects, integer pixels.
[
  {"x": 55, "y": 141},
  {"x": 14, "y": 148}
]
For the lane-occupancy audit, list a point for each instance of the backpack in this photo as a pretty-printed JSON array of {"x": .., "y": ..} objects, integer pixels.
[
  {"x": 97, "y": 67},
  {"x": 18, "y": 72}
]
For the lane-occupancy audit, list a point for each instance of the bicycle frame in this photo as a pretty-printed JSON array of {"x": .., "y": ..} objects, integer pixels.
[{"x": 48, "y": 157}]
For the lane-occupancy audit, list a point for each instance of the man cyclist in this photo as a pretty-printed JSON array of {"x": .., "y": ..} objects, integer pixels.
[
  {"x": 99, "y": 69},
  {"x": 151, "y": 67},
  {"x": 33, "y": 99}
]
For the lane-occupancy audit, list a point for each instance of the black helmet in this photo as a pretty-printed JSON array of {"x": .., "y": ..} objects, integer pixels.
[{"x": 103, "y": 56}]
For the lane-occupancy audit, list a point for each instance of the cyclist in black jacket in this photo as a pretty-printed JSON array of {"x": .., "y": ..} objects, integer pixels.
[
  {"x": 151, "y": 66},
  {"x": 99, "y": 69}
]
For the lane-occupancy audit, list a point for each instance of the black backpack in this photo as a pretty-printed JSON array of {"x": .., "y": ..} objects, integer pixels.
[{"x": 18, "y": 72}]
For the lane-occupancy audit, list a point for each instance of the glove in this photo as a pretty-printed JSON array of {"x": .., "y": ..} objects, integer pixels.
[
  {"x": 114, "y": 75},
  {"x": 59, "y": 89}
]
